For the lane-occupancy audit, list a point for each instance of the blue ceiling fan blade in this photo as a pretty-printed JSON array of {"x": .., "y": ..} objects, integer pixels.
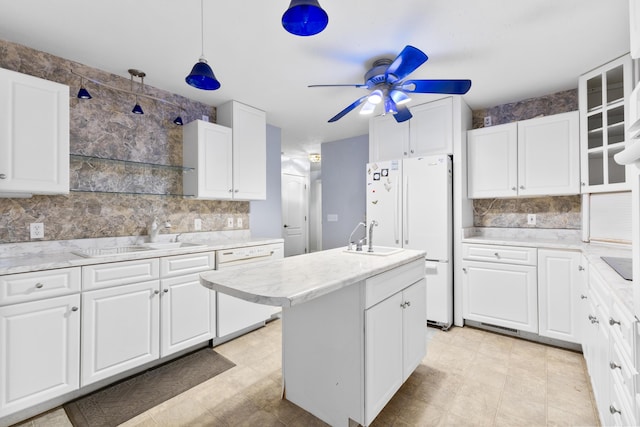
[
  {"x": 340, "y": 85},
  {"x": 403, "y": 114},
  {"x": 349, "y": 108},
  {"x": 454, "y": 87},
  {"x": 405, "y": 63}
]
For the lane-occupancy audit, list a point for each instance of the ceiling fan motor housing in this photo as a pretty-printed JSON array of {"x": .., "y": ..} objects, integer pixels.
[{"x": 377, "y": 74}]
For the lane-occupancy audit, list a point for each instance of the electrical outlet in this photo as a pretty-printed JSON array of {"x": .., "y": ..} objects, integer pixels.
[
  {"x": 531, "y": 219},
  {"x": 197, "y": 224},
  {"x": 239, "y": 222},
  {"x": 205, "y": 118},
  {"x": 487, "y": 121},
  {"x": 230, "y": 222},
  {"x": 37, "y": 230}
]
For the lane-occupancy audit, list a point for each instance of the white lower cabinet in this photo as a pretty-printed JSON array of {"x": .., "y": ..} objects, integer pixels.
[
  {"x": 39, "y": 351},
  {"x": 558, "y": 284},
  {"x": 188, "y": 313},
  {"x": 395, "y": 340},
  {"x": 120, "y": 329},
  {"x": 500, "y": 294}
]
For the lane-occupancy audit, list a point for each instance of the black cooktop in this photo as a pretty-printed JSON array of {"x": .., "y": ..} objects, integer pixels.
[{"x": 622, "y": 266}]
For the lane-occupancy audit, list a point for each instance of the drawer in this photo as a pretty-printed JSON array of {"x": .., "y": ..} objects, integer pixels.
[
  {"x": 185, "y": 264},
  {"x": 383, "y": 285},
  {"x": 504, "y": 254},
  {"x": 119, "y": 273},
  {"x": 623, "y": 326},
  {"x": 22, "y": 287},
  {"x": 599, "y": 292},
  {"x": 622, "y": 370},
  {"x": 620, "y": 406}
]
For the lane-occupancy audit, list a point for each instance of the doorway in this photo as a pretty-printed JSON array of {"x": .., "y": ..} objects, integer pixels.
[{"x": 294, "y": 214}]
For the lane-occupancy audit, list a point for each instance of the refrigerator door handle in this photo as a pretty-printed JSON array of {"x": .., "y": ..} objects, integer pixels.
[
  {"x": 405, "y": 219},
  {"x": 396, "y": 215}
]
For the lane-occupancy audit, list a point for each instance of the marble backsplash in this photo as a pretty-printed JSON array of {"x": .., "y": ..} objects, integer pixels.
[
  {"x": 104, "y": 127},
  {"x": 555, "y": 212}
]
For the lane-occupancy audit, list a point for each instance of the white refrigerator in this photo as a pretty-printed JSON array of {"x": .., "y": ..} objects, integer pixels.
[{"x": 411, "y": 202}]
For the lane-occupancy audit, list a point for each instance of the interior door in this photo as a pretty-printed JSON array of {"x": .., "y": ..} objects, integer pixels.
[{"x": 294, "y": 215}]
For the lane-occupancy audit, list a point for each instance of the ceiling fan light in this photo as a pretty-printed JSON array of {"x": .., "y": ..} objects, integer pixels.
[
  {"x": 399, "y": 97},
  {"x": 390, "y": 106},
  {"x": 368, "y": 108},
  {"x": 375, "y": 97},
  {"x": 304, "y": 18},
  {"x": 202, "y": 77}
]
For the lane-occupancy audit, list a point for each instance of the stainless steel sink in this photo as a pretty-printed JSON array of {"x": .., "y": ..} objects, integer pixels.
[
  {"x": 377, "y": 251},
  {"x": 98, "y": 252}
]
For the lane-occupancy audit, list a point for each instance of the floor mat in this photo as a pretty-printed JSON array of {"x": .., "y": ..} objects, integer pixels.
[{"x": 124, "y": 400}]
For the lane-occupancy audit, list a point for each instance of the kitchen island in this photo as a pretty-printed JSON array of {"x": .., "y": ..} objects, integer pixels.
[{"x": 353, "y": 326}]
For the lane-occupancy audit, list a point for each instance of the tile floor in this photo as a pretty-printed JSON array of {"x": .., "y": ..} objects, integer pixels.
[{"x": 468, "y": 378}]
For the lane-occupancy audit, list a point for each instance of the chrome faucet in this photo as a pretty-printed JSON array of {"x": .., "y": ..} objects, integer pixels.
[
  {"x": 154, "y": 229},
  {"x": 374, "y": 223},
  {"x": 359, "y": 244}
]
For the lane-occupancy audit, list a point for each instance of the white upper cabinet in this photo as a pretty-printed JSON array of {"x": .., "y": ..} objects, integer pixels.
[
  {"x": 429, "y": 131},
  {"x": 207, "y": 147},
  {"x": 634, "y": 27},
  {"x": 249, "y": 127},
  {"x": 493, "y": 161},
  {"x": 34, "y": 135},
  {"x": 549, "y": 155},
  {"x": 603, "y": 97},
  {"x": 533, "y": 157}
]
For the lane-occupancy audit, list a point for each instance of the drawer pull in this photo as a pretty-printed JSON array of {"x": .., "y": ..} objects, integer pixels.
[
  {"x": 166, "y": 291},
  {"x": 593, "y": 319},
  {"x": 3, "y": 176},
  {"x": 613, "y": 365},
  {"x": 39, "y": 285},
  {"x": 613, "y": 410},
  {"x": 580, "y": 268},
  {"x": 612, "y": 321},
  {"x": 74, "y": 308},
  {"x": 583, "y": 296},
  {"x": 464, "y": 269},
  {"x": 496, "y": 254},
  {"x": 405, "y": 304}
]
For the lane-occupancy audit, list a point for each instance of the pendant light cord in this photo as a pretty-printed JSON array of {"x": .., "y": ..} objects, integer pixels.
[{"x": 202, "y": 27}]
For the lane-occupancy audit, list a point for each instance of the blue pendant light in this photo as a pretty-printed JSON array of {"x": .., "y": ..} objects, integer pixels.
[
  {"x": 137, "y": 109},
  {"x": 178, "y": 121},
  {"x": 201, "y": 75},
  {"x": 305, "y": 18},
  {"x": 83, "y": 93}
]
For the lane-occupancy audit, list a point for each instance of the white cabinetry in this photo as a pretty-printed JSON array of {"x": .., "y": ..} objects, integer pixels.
[
  {"x": 249, "y": 127},
  {"x": 429, "y": 131},
  {"x": 603, "y": 94},
  {"x": 39, "y": 337},
  {"x": 120, "y": 317},
  {"x": 558, "y": 290},
  {"x": 207, "y": 148},
  {"x": 372, "y": 341},
  {"x": 187, "y": 308},
  {"x": 34, "y": 135},
  {"x": 395, "y": 345},
  {"x": 499, "y": 286},
  {"x": 529, "y": 158}
]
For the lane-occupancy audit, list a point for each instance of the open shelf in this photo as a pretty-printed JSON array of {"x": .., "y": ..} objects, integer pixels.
[{"x": 84, "y": 158}]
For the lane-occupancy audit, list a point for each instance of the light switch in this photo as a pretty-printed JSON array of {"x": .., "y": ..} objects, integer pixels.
[{"x": 332, "y": 217}]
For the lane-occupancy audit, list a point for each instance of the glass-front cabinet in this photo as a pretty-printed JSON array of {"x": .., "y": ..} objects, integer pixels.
[{"x": 603, "y": 97}]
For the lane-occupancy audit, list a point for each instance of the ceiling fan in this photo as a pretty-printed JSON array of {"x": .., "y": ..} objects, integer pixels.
[{"x": 385, "y": 81}]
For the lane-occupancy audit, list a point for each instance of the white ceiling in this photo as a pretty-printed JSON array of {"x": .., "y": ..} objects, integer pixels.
[{"x": 511, "y": 50}]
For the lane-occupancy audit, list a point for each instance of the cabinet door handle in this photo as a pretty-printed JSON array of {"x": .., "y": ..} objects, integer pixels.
[
  {"x": 580, "y": 268},
  {"x": 412, "y": 151},
  {"x": 583, "y": 184},
  {"x": 613, "y": 365},
  {"x": 231, "y": 190},
  {"x": 156, "y": 292},
  {"x": 612, "y": 321},
  {"x": 514, "y": 188},
  {"x": 3, "y": 176},
  {"x": 593, "y": 319},
  {"x": 464, "y": 269},
  {"x": 496, "y": 254},
  {"x": 583, "y": 296},
  {"x": 166, "y": 291},
  {"x": 613, "y": 410},
  {"x": 74, "y": 308},
  {"x": 39, "y": 285},
  {"x": 236, "y": 190}
]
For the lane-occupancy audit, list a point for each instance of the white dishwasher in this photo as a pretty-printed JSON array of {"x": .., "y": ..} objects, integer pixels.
[{"x": 236, "y": 316}]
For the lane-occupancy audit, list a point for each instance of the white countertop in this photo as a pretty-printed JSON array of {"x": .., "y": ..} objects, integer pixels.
[
  {"x": 297, "y": 279},
  {"x": 58, "y": 254}
]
